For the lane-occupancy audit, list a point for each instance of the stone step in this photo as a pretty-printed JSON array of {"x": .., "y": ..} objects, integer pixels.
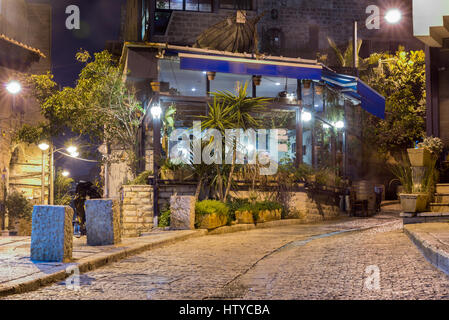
[
  {"x": 442, "y": 188},
  {"x": 442, "y": 197},
  {"x": 439, "y": 207}
]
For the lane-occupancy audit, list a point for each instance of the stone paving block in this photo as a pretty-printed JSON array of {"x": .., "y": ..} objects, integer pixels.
[
  {"x": 103, "y": 222},
  {"x": 182, "y": 212},
  {"x": 52, "y": 234}
]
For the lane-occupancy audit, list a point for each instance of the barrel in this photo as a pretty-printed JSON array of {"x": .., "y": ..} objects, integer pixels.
[{"x": 365, "y": 191}]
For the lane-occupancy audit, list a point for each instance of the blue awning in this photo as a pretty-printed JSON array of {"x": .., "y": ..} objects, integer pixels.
[
  {"x": 352, "y": 87},
  {"x": 356, "y": 89},
  {"x": 250, "y": 66}
]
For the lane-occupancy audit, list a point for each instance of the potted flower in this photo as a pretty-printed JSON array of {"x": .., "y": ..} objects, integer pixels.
[{"x": 425, "y": 152}]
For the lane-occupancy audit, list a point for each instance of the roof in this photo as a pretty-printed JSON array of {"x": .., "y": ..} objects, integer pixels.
[
  {"x": 22, "y": 45},
  {"x": 254, "y": 64}
]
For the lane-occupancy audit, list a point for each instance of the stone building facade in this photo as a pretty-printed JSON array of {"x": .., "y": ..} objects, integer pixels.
[
  {"x": 291, "y": 28},
  {"x": 25, "y": 48}
]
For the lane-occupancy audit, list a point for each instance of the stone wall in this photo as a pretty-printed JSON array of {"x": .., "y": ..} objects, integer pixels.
[
  {"x": 302, "y": 26},
  {"x": 137, "y": 210},
  {"x": 168, "y": 190}
]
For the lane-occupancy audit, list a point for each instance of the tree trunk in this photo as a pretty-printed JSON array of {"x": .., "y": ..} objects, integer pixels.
[
  {"x": 231, "y": 174},
  {"x": 198, "y": 189}
]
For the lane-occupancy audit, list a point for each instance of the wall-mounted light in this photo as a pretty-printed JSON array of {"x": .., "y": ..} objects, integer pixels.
[
  {"x": 156, "y": 111},
  {"x": 306, "y": 116}
]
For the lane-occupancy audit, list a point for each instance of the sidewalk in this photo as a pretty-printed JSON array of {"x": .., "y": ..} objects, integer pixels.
[
  {"x": 432, "y": 239},
  {"x": 19, "y": 274}
]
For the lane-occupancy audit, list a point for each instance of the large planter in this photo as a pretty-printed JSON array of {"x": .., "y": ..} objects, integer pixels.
[
  {"x": 167, "y": 174},
  {"x": 412, "y": 203},
  {"x": 419, "y": 157},
  {"x": 211, "y": 221}
]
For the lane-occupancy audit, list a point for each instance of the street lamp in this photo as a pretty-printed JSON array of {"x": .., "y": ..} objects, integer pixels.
[
  {"x": 156, "y": 112},
  {"x": 65, "y": 173},
  {"x": 13, "y": 87},
  {"x": 393, "y": 16},
  {"x": 44, "y": 147}
]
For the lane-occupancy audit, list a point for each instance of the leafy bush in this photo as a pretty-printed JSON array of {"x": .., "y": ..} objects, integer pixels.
[
  {"x": 164, "y": 220},
  {"x": 255, "y": 208},
  {"x": 141, "y": 179},
  {"x": 235, "y": 205},
  {"x": 210, "y": 207},
  {"x": 18, "y": 206}
]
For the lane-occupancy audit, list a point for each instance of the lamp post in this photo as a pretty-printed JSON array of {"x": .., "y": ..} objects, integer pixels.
[
  {"x": 392, "y": 16},
  {"x": 4, "y": 211},
  {"x": 44, "y": 147},
  {"x": 156, "y": 112}
]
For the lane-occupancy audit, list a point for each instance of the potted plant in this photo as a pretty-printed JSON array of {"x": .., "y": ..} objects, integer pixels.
[
  {"x": 419, "y": 157},
  {"x": 415, "y": 196}
]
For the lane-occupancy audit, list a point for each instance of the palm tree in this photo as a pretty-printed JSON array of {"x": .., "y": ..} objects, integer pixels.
[
  {"x": 346, "y": 58},
  {"x": 232, "y": 111}
]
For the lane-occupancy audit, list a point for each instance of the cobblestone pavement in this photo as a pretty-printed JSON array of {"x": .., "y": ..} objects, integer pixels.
[{"x": 291, "y": 262}]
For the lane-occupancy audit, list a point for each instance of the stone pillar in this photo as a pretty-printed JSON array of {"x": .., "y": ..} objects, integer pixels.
[
  {"x": 103, "y": 222},
  {"x": 52, "y": 234},
  {"x": 137, "y": 210},
  {"x": 182, "y": 215}
]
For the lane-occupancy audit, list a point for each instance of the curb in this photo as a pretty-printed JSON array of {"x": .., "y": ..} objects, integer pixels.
[
  {"x": 434, "y": 255},
  {"x": 33, "y": 282}
]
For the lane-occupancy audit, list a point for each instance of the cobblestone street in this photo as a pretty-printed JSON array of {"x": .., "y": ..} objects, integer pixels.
[{"x": 321, "y": 261}]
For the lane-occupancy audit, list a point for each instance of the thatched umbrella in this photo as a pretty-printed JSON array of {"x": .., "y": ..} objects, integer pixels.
[{"x": 231, "y": 35}]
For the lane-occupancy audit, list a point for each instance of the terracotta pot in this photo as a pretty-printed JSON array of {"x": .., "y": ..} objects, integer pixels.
[
  {"x": 156, "y": 86},
  {"x": 211, "y": 75},
  {"x": 412, "y": 203},
  {"x": 419, "y": 157},
  {"x": 257, "y": 80}
]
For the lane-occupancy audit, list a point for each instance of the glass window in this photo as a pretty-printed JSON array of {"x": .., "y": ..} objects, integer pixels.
[
  {"x": 230, "y": 82},
  {"x": 181, "y": 82},
  {"x": 236, "y": 4},
  {"x": 187, "y": 5}
]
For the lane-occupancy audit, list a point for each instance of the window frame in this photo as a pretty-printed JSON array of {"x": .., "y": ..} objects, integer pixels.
[
  {"x": 252, "y": 6},
  {"x": 184, "y": 7}
]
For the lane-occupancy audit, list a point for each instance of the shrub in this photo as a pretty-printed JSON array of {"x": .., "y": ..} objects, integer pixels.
[
  {"x": 164, "y": 220},
  {"x": 261, "y": 206},
  {"x": 235, "y": 205},
  {"x": 18, "y": 206},
  {"x": 142, "y": 179},
  {"x": 210, "y": 207}
]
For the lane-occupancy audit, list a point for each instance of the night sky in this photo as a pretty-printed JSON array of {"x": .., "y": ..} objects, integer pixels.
[{"x": 100, "y": 22}]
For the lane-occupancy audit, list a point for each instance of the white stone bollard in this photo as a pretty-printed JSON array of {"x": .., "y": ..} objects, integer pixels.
[
  {"x": 52, "y": 234},
  {"x": 103, "y": 222},
  {"x": 182, "y": 216}
]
